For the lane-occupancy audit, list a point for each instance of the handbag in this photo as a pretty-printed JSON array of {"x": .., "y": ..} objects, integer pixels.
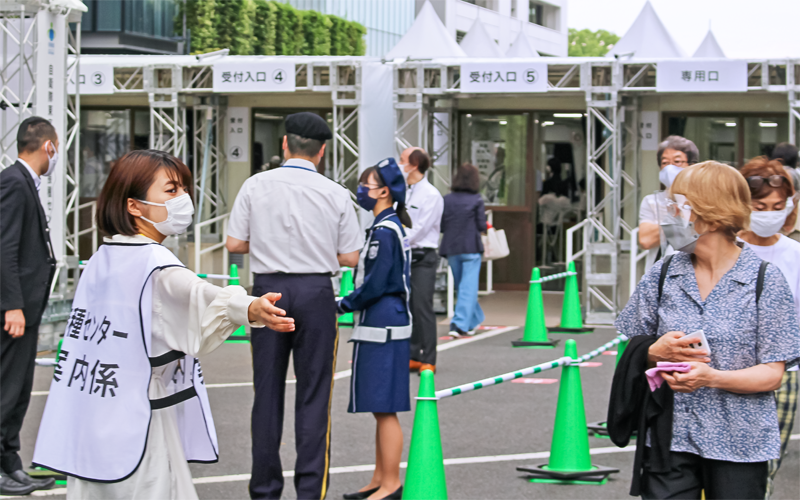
[{"x": 495, "y": 245}]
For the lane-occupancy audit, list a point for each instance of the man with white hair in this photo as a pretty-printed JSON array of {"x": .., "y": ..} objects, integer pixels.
[{"x": 425, "y": 205}]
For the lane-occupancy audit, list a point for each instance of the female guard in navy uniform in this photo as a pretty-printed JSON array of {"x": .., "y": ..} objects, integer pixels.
[{"x": 381, "y": 338}]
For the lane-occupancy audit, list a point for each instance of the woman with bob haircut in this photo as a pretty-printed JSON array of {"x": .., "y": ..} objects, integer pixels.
[
  {"x": 127, "y": 405},
  {"x": 463, "y": 221},
  {"x": 774, "y": 204},
  {"x": 724, "y": 426}
]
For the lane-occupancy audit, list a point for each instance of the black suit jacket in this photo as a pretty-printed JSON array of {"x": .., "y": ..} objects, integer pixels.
[{"x": 27, "y": 263}]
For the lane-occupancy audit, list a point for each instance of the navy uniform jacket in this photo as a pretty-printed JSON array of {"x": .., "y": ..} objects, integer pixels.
[{"x": 381, "y": 298}]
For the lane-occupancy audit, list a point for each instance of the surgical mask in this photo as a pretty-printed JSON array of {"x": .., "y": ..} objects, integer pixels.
[
  {"x": 51, "y": 160},
  {"x": 675, "y": 221},
  {"x": 180, "y": 212},
  {"x": 364, "y": 201},
  {"x": 768, "y": 223},
  {"x": 668, "y": 174},
  {"x": 403, "y": 171}
]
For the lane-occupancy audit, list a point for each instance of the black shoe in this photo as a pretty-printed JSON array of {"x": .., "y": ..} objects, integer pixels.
[
  {"x": 397, "y": 495},
  {"x": 12, "y": 488},
  {"x": 22, "y": 477},
  {"x": 360, "y": 495}
]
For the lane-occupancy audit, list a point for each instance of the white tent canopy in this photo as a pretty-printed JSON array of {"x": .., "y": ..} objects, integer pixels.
[
  {"x": 427, "y": 38},
  {"x": 478, "y": 43},
  {"x": 709, "y": 47},
  {"x": 521, "y": 47},
  {"x": 647, "y": 37}
]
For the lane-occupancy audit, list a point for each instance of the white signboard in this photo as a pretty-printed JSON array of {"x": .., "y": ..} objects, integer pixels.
[
  {"x": 94, "y": 79},
  {"x": 483, "y": 157},
  {"x": 50, "y": 102},
  {"x": 514, "y": 77},
  {"x": 702, "y": 76},
  {"x": 648, "y": 130},
  {"x": 266, "y": 76},
  {"x": 237, "y": 124}
]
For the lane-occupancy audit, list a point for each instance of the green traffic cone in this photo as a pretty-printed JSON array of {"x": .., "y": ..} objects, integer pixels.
[
  {"x": 240, "y": 335},
  {"x": 425, "y": 478},
  {"x": 620, "y": 349},
  {"x": 535, "y": 335},
  {"x": 345, "y": 287},
  {"x": 569, "y": 451},
  {"x": 571, "y": 317}
]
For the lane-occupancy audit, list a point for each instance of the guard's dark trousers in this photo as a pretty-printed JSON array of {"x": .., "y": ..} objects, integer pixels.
[
  {"x": 423, "y": 282},
  {"x": 17, "y": 360},
  {"x": 309, "y": 299}
]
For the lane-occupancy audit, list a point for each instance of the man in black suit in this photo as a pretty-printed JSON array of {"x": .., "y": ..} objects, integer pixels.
[{"x": 27, "y": 266}]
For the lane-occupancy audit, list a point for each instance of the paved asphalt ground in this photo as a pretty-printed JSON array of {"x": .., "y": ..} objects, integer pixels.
[{"x": 486, "y": 426}]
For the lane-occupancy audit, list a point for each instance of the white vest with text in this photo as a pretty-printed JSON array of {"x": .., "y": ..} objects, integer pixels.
[{"x": 97, "y": 416}]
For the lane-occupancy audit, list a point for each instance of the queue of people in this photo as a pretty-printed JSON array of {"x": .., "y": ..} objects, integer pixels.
[{"x": 136, "y": 402}]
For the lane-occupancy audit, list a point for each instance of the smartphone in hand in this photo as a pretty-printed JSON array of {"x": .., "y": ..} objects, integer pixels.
[{"x": 699, "y": 342}]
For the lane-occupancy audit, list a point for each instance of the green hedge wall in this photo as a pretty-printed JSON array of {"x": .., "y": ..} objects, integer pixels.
[{"x": 268, "y": 27}]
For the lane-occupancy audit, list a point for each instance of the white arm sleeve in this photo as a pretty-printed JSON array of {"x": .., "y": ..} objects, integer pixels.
[
  {"x": 239, "y": 222},
  {"x": 647, "y": 210}
]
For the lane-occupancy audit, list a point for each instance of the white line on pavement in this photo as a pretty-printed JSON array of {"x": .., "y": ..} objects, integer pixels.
[
  {"x": 368, "y": 468},
  {"x": 346, "y": 373}
]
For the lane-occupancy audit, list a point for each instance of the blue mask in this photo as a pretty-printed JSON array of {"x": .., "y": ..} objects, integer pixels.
[{"x": 362, "y": 195}]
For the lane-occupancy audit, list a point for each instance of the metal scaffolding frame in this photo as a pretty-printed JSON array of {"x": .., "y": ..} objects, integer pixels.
[{"x": 167, "y": 108}]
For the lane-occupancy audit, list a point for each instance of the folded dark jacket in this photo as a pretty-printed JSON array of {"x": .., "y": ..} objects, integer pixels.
[{"x": 633, "y": 407}]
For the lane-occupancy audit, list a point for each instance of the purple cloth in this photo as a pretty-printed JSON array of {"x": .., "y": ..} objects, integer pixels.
[{"x": 654, "y": 377}]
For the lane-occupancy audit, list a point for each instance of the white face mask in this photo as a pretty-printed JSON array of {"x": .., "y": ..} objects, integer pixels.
[
  {"x": 180, "y": 212},
  {"x": 668, "y": 174},
  {"x": 403, "y": 171},
  {"x": 768, "y": 223},
  {"x": 52, "y": 160}
]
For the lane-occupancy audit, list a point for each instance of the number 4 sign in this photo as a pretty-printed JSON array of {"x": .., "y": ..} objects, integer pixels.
[{"x": 254, "y": 76}]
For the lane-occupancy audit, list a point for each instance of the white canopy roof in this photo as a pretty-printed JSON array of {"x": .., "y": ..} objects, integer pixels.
[
  {"x": 427, "y": 38},
  {"x": 522, "y": 47},
  {"x": 647, "y": 37},
  {"x": 709, "y": 47},
  {"x": 478, "y": 43}
]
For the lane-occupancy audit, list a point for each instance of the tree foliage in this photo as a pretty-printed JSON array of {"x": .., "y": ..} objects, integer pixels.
[
  {"x": 588, "y": 43},
  {"x": 268, "y": 27}
]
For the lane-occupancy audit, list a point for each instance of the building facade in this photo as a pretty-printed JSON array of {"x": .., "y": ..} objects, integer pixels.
[{"x": 130, "y": 27}]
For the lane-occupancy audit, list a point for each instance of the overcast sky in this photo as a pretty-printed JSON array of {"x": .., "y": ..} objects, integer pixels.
[{"x": 744, "y": 28}]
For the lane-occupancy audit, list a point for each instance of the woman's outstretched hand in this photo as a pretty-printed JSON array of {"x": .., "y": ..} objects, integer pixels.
[{"x": 264, "y": 310}]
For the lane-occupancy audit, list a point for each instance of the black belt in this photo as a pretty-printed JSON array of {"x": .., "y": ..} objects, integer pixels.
[{"x": 327, "y": 275}]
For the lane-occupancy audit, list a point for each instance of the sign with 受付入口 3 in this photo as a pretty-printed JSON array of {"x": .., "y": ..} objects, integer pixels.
[
  {"x": 701, "y": 76},
  {"x": 503, "y": 77},
  {"x": 254, "y": 76}
]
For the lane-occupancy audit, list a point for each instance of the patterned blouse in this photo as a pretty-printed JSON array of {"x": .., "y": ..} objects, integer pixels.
[{"x": 714, "y": 423}]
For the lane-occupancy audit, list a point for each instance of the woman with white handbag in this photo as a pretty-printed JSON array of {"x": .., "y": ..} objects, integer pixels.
[{"x": 463, "y": 221}]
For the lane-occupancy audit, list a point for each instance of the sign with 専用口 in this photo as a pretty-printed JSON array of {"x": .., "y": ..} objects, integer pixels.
[
  {"x": 94, "y": 79},
  {"x": 701, "y": 76},
  {"x": 254, "y": 76},
  {"x": 237, "y": 125},
  {"x": 514, "y": 77},
  {"x": 648, "y": 130}
]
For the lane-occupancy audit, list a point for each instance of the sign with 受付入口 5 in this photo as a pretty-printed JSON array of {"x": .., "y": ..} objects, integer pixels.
[
  {"x": 254, "y": 76},
  {"x": 503, "y": 77},
  {"x": 701, "y": 76}
]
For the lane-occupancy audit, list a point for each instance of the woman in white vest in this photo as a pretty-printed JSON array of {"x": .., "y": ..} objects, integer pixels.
[{"x": 127, "y": 406}]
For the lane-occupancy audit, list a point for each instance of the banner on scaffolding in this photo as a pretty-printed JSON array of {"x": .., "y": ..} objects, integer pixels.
[
  {"x": 94, "y": 79},
  {"x": 50, "y": 103},
  {"x": 701, "y": 76},
  {"x": 254, "y": 76},
  {"x": 503, "y": 77}
]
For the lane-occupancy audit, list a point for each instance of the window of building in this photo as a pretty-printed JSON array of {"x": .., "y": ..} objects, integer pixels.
[
  {"x": 154, "y": 18},
  {"x": 536, "y": 13}
]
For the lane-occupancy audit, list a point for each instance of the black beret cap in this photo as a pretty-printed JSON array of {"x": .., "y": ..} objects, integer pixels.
[{"x": 308, "y": 125}]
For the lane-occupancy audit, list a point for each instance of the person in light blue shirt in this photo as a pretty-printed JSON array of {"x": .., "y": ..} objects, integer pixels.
[{"x": 725, "y": 425}]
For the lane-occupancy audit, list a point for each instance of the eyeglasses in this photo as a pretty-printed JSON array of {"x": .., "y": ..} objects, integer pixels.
[
  {"x": 755, "y": 182},
  {"x": 369, "y": 186},
  {"x": 677, "y": 163},
  {"x": 678, "y": 207}
]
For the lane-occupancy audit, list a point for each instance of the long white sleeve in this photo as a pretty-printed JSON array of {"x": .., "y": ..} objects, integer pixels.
[{"x": 193, "y": 316}]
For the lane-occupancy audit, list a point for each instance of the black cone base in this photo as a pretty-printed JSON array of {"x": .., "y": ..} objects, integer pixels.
[
  {"x": 523, "y": 343},
  {"x": 598, "y": 474},
  {"x": 558, "y": 329},
  {"x": 600, "y": 429},
  {"x": 238, "y": 338}
]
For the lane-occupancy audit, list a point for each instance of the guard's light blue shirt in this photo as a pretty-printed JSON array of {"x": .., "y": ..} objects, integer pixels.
[
  {"x": 714, "y": 423},
  {"x": 296, "y": 220}
]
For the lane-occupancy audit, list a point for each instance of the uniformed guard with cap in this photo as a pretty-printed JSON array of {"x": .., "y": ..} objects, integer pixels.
[
  {"x": 379, "y": 383},
  {"x": 299, "y": 228}
]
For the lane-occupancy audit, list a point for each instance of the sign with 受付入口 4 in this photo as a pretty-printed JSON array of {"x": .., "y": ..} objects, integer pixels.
[
  {"x": 701, "y": 76},
  {"x": 254, "y": 76},
  {"x": 504, "y": 77}
]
